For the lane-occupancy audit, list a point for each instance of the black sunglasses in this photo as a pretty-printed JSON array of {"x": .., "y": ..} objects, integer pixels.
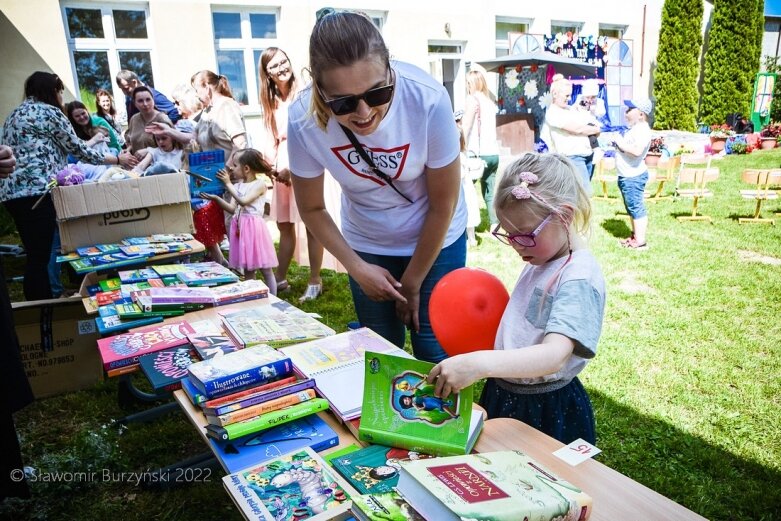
[{"x": 348, "y": 104}]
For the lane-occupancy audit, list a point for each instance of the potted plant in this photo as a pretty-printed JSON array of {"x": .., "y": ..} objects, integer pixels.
[
  {"x": 769, "y": 136},
  {"x": 655, "y": 151},
  {"x": 719, "y": 135}
]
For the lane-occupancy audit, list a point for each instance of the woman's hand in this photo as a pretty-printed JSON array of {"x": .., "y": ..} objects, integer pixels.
[
  {"x": 127, "y": 160},
  {"x": 224, "y": 176},
  {"x": 408, "y": 311},
  {"x": 7, "y": 161},
  {"x": 158, "y": 129},
  {"x": 283, "y": 176},
  {"x": 141, "y": 154},
  {"x": 453, "y": 374},
  {"x": 378, "y": 284}
]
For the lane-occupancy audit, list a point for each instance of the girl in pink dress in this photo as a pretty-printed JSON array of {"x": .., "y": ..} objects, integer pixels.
[{"x": 251, "y": 247}]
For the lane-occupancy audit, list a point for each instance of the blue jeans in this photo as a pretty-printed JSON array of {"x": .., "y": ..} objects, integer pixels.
[
  {"x": 583, "y": 166},
  {"x": 632, "y": 189},
  {"x": 381, "y": 316}
]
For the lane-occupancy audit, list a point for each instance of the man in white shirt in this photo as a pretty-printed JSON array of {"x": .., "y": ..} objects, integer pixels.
[{"x": 631, "y": 150}]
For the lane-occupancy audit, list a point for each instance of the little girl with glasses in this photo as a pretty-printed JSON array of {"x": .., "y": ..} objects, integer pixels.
[{"x": 553, "y": 320}]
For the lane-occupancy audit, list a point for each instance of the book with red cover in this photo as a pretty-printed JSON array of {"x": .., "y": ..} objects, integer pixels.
[{"x": 124, "y": 349}]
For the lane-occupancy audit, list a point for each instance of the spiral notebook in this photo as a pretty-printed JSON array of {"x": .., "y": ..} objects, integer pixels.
[{"x": 336, "y": 363}]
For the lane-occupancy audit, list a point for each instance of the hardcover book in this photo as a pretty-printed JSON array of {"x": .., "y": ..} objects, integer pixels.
[
  {"x": 495, "y": 486},
  {"x": 179, "y": 295},
  {"x": 132, "y": 310},
  {"x": 401, "y": 410},
  {"x": 238, "y": 292},
  {"x": 267, "y": 325},
  {"x": 255, "y": 395},
  {"x": 206, "y": 165},
  {"x": 266, "y": 421},
  {"x": 255, "y": 449},
  {"x": 206, "y": 274},
  {"x": 124, "y": 349},
  {"x": 135, "y": 276},
  {"x": 239, "y": 369},
  {"x": 292, "y": 487},
  {"x": 261, "y": 408},
  {"x": 388, "y": 506},
  {"x": 165, "y": 369},
  {"x": 196, "y": 397},
  {"x": 212, "y": 345},
  {"x": 374, "y": 469},
  {"x": 109, "y": 322},
  {"x": 337, "y": 359}
]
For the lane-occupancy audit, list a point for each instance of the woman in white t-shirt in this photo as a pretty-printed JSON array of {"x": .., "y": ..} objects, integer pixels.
[{"x": 403, "y": 219}]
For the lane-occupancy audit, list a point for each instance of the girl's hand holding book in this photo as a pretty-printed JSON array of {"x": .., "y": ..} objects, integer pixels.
[
  {"x": 224, "y": 176},
  {"x": 453, "y": 374}
]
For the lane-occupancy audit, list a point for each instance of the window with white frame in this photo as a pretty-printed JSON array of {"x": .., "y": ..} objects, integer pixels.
[
  {"x": 240, "y": 36},
  {"x": 506, "y": 27},
  {"x": 612, "y": 31},
  {"x": 558, "y": 26},
  {"x": 102, "y": 40}
]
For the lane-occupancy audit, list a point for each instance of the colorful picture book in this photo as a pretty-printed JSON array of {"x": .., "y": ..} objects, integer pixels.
[
  {"x": 109, "y": 322},
  {"x": 295, "y": 486},
  {"x": 206, "y": 165},
  {"x": 401, "y": 410},
  {"x": 139, "y": 275},
  {"x": 239, "y": 369},
  {"x": 124, "y": 349},
  {"x": 388, "y": 506},
  {"x": 266, "y": 421},
  {"x": 267, "y": 325},
  {"x": 255, "y": 449},
  {"x": 374, "y": 469},
  {"x": 495, "y": 486},
  {"x": 165, "y": 369},
  {"x": 238, "y": 292},
  {"x": 206, "y": 274},
  {"x": 337, "y": 359},
  {"x": 212, "y": 345},
  {"x": 169, "y": 270}
]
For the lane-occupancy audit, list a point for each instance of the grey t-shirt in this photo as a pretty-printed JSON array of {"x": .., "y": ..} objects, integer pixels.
[{"x": 574, "y": 306}]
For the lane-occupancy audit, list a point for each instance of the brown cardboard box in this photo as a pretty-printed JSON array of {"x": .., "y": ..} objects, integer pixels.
[
  {"x": 58, "y": 343},
  {"x": 98, "y": 213}
]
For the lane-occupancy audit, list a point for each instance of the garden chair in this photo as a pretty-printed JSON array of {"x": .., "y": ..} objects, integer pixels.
[
  {"x": 692, "y": 184},
  {"x": 762, "y": 180},
  {"x": 665, "y": 172},
  {"x": 603, "y": 177},
  {"x": 696, "y": 160}
]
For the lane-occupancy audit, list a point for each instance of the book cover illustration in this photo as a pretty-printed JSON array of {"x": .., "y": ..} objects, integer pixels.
[
  {"x": 90, "y": 305},
  {"x": 206, "y": 165},
  {"x": 387, "y": 506},
  {"x": 242, "y": 368},
  {"x": 66, "y": 257},
  {"x": 169, "y": 270},
  {"x": 124, "y": 349},
  {"x": 295, "y": 486},
  {"x": 170, "y": 237},
  {"x": 400, "y": 408},
  {"x": 239, "y": 292},
  {"x": 88, "y": 251},
  {"x": 264, "y": 324},
  {"x": 109, "y": 322},
  {"x": 117, "y": 259},
  {"x": 206, "y": 274},
  {"x": 212, "y": 345},
  {"x": 179, "y": 295},
  {"x": 255, "y": 449},
  {"x": 110, "y": 284},
  {"x": 494, "y": 486},
  {"x": 374, "y": 469},
  {"x": 81, "y": 265},
  {"x": 157, "y": 248},
  {"x": 165, "y": 369}
]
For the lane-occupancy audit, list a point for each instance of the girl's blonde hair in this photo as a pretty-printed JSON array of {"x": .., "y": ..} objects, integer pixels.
[
  {"x": 269, "y": 94},
  {"x": 340, "y": 39},
  {"x": 253, "y": 159},
  {"x": 558, "y": 188},
  {"x": 218, "y": 82},
  {"x": 475, "y": 82}
]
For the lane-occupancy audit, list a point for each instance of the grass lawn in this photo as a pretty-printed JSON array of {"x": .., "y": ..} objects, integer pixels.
[{"x": 686, "y": 384}]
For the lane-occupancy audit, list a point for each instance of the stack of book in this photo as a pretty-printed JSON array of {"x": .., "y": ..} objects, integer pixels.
[
  {"x": 132, "y": 250},
  {"x": 271, "y": 325}
]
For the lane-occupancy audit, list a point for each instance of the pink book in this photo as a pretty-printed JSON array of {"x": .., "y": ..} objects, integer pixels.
[{"x": 124, "y": 349}]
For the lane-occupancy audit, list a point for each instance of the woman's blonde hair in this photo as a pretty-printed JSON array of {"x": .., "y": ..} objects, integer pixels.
[
  {"x": 217, "y": 81},
  {"x": 187, "y": 98},
  {"x": 269, "y": 94},
  {"x": 340, "y": 39},
  {"x": 560, "y": 86},
  {"x": 475, "y": 82},
  {"x": 557, "y": 189}
]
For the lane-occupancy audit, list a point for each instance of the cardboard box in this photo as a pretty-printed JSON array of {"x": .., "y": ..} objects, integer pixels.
[
  {"x": 98, "y": 213},
  {"x": 58, "y": 343}
]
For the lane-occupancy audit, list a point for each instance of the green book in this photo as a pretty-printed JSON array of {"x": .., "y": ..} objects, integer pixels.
[
  {"x": 134, "y": 311},
  {"x": 266, "y": 421},
  {"x": 110, "y": 284},
  {"x": 329, "y": 458},
  {"x": 373, "y": 469},
  {"x": 388, "y": 506},
  {"x": 400, "y": 409}
]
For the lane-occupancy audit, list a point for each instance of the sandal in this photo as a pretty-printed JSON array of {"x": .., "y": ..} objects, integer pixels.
[
  {"x": 312, "y": 292},
  {"x": 282, "y": 285},
  {"x": 632, "y": 243}
]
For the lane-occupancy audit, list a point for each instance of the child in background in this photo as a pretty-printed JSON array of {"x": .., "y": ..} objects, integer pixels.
[
  {"x": 553, "y": 320},
  {"x": 165, "y": 158},
  {"x": 251, "y": 247}
]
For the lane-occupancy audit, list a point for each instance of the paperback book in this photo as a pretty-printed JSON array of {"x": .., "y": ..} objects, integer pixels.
[
  {"x": 178, "y": 295},
  {"x": 337, "y": 359},
  {"x": 132, "y": 310},
  {"x": 374, "y": 469},
  {"x": 267, "y": 325},
  {"x": 108, "y": 321},
  {"x": 212, "y": 345},
  {"x": 387, "y": 506},
  {"x": 169, "y": 270},
  {"x": 238, "y": 292},
  {"x": 292, "y": 487},
  {"x": 266, "y": 421},
  {"x": 239, "y": 369},
  {"x": 135, "y": 276},
  {"x": 495, "y": 486},
  {"x": 261, "y": 408},
  {"x": 206, "y": 274},
  {"x": 255, "y": 449},
  {"x": 165, "y": 369},
  {"x": 256, "y": 395},
  {"x": 124, "y": 349},
  {"x": 206, "y": 165},
  {"x": 401, "y": 410}
]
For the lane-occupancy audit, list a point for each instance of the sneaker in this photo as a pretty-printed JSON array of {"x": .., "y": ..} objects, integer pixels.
[
  {"x": 312, "y": 292},
  {"x": 225, "y": 245}
]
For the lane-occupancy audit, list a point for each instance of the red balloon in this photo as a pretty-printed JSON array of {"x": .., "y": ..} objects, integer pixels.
[{"x": 465, "y": 309}]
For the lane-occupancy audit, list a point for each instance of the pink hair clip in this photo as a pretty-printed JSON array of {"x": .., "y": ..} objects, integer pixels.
[{"x": 522, "y": 190}]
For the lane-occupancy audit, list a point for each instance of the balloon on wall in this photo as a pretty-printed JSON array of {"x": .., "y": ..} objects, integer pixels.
[{"x": 465, "y": 309}]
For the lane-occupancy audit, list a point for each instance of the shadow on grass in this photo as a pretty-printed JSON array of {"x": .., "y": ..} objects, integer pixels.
[
  {"x": 617, "y": 228},
  {"x": 681, "y": 466}
]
